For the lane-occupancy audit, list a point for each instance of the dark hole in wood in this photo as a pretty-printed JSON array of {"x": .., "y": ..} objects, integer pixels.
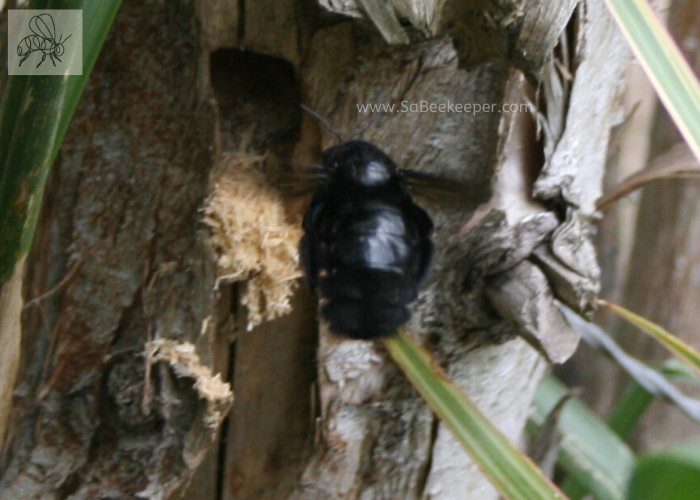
[
  {"x": 256, "y": 93},
  {"x": 268, "y": 432}
]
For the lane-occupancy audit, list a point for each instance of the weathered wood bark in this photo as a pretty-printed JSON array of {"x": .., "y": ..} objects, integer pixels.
[
  {"x": 336, "y": 420},
  {"x": 96, "y": 413}
]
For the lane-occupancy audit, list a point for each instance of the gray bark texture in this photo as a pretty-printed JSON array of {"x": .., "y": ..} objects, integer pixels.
[{"x": 163, "y": 185}]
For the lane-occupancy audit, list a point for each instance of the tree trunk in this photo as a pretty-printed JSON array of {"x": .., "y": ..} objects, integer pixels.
[{"x": 116, "y": 394}]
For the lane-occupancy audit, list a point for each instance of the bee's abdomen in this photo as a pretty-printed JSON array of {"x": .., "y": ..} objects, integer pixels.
[
  {"x": 364, "y": 303},
  {"x": 371, "y": 256}
]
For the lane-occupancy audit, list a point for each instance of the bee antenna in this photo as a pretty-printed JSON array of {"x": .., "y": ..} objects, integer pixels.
[{"x": 323, "y": 122}]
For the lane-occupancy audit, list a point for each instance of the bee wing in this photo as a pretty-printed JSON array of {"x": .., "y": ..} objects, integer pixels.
[
  {"x": 301, "y": 182},
  {"x": 43, "y": 26},
  {"x": 33, "y": 26},
  {"x": 434, "y": 187}
]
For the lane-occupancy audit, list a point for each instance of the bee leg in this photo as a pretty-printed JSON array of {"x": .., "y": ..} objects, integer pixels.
[
  {"x": 42, "y": 60},
  {"x": 52, "y": 61},
  {"x": 23, "y": 59}
]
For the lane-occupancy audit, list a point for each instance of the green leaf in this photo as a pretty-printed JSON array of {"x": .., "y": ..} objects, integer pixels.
[
  {"x": 668, "y": 475},
  {"x": 668, "y": 71},
  {"x": 629, "y": 409},
  {"x": 634, "y": 402},
  {"x": 508, "y": 469},
  {"x": 648, "y": 378},
  {"x": 678, "y": 348},
  {"x": 34, "y": 115},
  {"x": 593, "y": 457}
]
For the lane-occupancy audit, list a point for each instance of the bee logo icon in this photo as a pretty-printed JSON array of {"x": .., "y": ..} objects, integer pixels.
[{"x": 43, "y": 40}]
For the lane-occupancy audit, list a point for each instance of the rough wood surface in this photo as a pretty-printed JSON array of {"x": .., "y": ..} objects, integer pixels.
[
  {"x": 574, "y": 170},
  {"x": 93, "y": 417},
  {"x": 333, "y": 420},
  {"x": 362, "y": 399},
  {"x": 521, "y": 33}
]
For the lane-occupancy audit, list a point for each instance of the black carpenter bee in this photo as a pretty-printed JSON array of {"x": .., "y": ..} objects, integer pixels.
[
  {"x": 43, "y": 40},
  {"x": 367, "y": 245}
]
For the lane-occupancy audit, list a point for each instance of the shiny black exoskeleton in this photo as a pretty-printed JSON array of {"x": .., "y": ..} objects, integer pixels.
[{"x": 367, "y": 246}]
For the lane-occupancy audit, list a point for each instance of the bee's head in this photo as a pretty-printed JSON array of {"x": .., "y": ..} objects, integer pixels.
[{"x": 360, "y": 163}]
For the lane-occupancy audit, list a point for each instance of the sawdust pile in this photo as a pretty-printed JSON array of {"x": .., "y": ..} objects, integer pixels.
[
  {"x": 251, "y": 237},
  {"x": 185, "y": 362}
]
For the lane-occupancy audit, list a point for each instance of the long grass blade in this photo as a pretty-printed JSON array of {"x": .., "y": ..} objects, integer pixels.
[
  {"x": 651, "y": 380},
  {"x": 684, "y": 352},
  {"x": 509, "y": 470},
  {"x": 677, "y": 162},
  {"x": 663, "y": 62},
  {"x": 34, "y": 116}
]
